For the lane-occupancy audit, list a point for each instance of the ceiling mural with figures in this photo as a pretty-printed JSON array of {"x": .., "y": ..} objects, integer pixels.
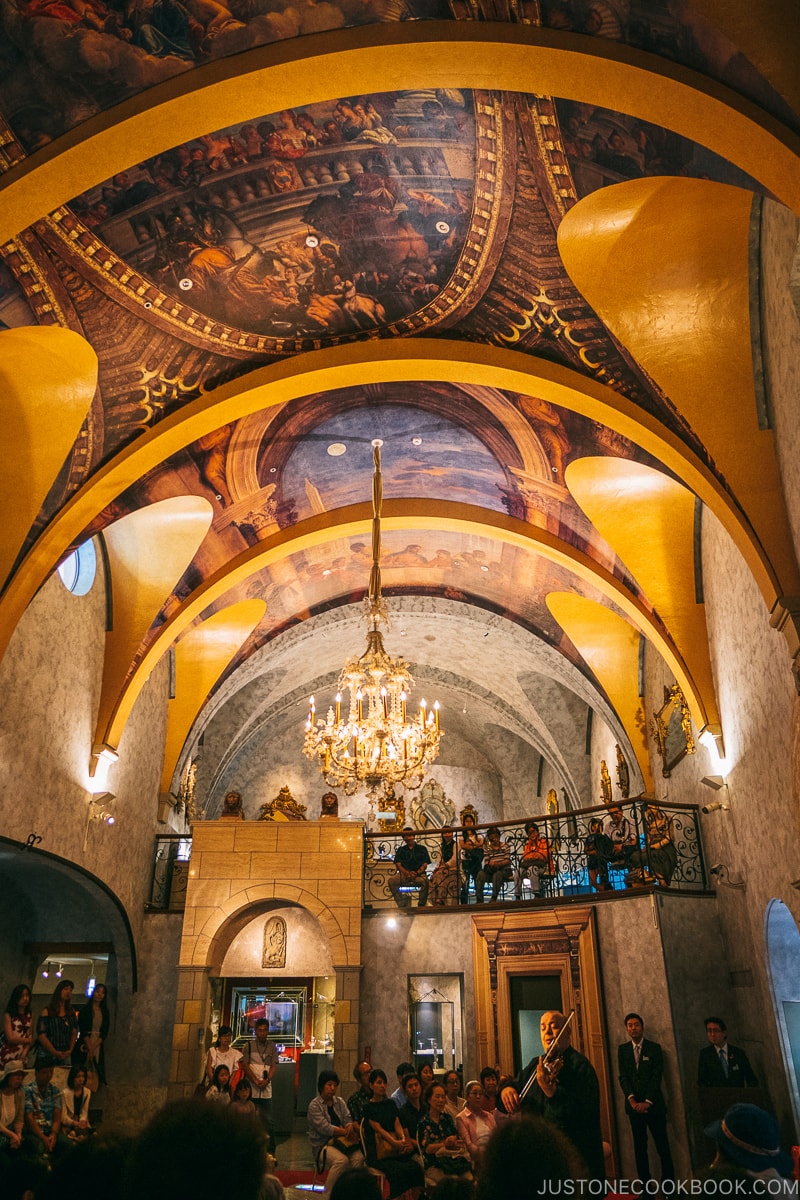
[{"x": 506, "y": 287}]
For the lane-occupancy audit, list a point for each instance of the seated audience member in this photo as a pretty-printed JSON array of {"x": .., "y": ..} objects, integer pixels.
[
  {"x": 360, "y": 1184},
  {"x": 535, "y": 861},
  {"x": 192, "y": 1151},
  {"x": 334, "y": 1135},
  {"x": 388, "y": 1146},
  {"x": 97, "y": 1164},
  {"x": 471, "y": 854},
  {"x": 599, "y": 853},
  {"x": 748, "y": 1146},
  {"x": 242, "y": 1101},
  {"x": 412, "y": 862},
  {"x": 660, "y": 854},
  {"x": 401, "y": 1070},
  {"x": 443, "y": 1151},
  {"x": 619, "y": 831},
  {"x": 42, "y": 1115},
  {"x": 722, "y": 1065},
  {"x": 220, "y": 1090},
  {"x": 362, "y": 1097},
  {"x": 490, "y": 1082},
  {"x": 474, "y": 1124},
  {"x": 452, "y": 1087},
  {"x": 444, "y": 880},
  {"x": 426, "y": 1076},
  {"x": 12, "y": 1107},
  {"x": 496, "y": 867},
  {"x": 526, "y": 1157},
  {"x": 414, "y": 1109},
  {"x": 75, "y": 1101}
]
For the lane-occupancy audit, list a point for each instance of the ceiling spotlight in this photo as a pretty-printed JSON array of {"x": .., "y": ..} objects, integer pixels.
[
  {"x": 46, "y": 971},
  {"x": 60, "y": 971}
]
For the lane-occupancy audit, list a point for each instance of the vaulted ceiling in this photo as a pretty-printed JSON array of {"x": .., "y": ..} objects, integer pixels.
[{"x": 513, "y": 241}]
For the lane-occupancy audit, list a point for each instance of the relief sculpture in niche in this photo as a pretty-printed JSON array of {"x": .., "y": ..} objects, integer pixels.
[{"x": 274, "y": 952}]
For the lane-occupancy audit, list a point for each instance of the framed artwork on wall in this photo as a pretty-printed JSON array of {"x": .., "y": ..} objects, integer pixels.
[{"x": 672, "y": 729}]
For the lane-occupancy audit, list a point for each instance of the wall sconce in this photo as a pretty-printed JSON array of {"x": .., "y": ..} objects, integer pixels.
[
  {"x": 99, "y": 811},
  {"x": 103, "y": 755},
  {"x": 715, "y": 782},
  {"x": 722, "y": 875},
  {"x": 711, "y": 737}
]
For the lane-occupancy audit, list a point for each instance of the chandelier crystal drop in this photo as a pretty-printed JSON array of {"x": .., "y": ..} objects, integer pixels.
[{"x": 378, "y": 744}]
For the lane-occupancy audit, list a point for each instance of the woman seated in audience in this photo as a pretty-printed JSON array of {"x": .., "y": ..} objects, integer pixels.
[
  {"x": 16, "y": 1037},
  {"x": 471, "y": 853},
  {"x": 528, "y": 1157},
  {"x": 474, "y": 1124},
  {"x": 444, "y": 1153},
  {"x": 334, "y": 1135},
  {"x": 414, "y": 1108},
  {"x": 490, "y": 1082},
  {"x": 75, "y": 1105},
  {"x": 222, "y": 1054},
  {"x": 242, "y": 1101},
  {"x": 444, "y": 880},
  {"x": 452, "y": 1087},
  {"x": 220, "y": 1089},
  {"x": 496, "y": 868},
  {"x": 426, "y": 1076},
  {"x": 388, "y": 1146},
  {"x": 12, "y": 1107}
]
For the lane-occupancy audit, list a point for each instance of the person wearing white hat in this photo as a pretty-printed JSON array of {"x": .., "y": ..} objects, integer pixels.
[
  {"x": 748, "y": 1144},
  {"x": 12, "y": 1106}
]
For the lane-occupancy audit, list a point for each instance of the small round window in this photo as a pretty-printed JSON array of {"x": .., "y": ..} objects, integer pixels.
[{"x": 79, "y": 569}]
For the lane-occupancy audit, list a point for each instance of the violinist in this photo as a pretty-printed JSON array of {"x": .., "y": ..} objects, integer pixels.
[{"x": 564, "y": 1091}]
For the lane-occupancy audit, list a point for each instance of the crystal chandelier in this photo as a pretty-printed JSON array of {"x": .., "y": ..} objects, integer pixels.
[{"x": 378, "y": 744}]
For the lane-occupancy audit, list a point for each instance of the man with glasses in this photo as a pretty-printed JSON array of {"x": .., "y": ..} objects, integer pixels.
[{"x": 721, "y": 1065}]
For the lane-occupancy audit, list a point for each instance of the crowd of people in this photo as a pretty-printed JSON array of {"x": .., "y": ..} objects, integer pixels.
[{"x": 485, "y": 863}]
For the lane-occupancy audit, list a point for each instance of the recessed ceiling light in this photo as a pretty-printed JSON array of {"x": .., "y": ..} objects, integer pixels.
[
  {"x": 416, "y": 441},
  {"x": 272, "y": 470},
  {"x": 326, "y": 571},
  {"x": 484, "y": 567},
  {"x": 336, "y": 449},
  {"x": 402, "y": 633}
]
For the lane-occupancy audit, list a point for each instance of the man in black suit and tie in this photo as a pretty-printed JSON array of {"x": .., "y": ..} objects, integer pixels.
[
  {"x": 721, "y": 1065},
  {"x": 641, "y": 1064}
]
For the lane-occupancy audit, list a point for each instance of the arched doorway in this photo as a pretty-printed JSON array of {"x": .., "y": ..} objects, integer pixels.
[{"x": 782, "y": 938}]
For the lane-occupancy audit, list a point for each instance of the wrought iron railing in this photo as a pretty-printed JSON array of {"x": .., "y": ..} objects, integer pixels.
[
  {"x": 170, "y": 872},
  {"x": 662, "y": 849}
]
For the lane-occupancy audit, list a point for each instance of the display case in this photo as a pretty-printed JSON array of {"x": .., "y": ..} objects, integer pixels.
[{"x": 435, "y": 1021}]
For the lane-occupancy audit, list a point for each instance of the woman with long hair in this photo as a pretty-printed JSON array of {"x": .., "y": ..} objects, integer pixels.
[
  {"x": 16, "y": 1037},
  {"x": 94, "y": 1021},
  {"x": 57, "y": 1028},
  {"x": 75, "y": 1105},
  {"x": 222, "y": 1055},
  {"x": 387, "y": 1145}
]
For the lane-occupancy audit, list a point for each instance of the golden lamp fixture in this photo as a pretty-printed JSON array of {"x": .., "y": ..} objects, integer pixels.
[{"x": 378, "y": 744}]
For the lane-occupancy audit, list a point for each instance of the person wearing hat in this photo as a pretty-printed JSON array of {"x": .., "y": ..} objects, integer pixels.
[
  {"x": 748, "y": 1144},
  {"x": 412, "y": 862},
  {"x": 12, "y": 1106}
]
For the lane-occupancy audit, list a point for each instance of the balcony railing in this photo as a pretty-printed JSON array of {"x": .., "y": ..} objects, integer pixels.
[
  {"x": 170, "y": 873},
  {"x": 663, "y": 850}
]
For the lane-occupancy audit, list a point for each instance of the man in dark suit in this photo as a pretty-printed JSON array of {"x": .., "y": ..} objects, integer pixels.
[
  {"x": 721, "y": 1065},
  {"x": 641, "y": 1064}
]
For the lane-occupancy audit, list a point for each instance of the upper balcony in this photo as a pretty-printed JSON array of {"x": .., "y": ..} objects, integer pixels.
[{"x": 651, "y": 846}]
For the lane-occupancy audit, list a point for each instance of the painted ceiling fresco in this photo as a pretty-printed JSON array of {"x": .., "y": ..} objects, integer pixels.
[{"x": 63, "y": 61}]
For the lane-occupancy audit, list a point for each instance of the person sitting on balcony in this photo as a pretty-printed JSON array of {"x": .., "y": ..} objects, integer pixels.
[
  {"x": 660, "y": 854},
  {"x": 496, "y": 867},
  {"x": 444, "y": 880},
  {"x": 535, "y": 862},
  {"x": 412, "y": 862},
  {"x": 471, "y": 853},
  {"x": 599, "y": 853},
  {"x": 618, "y": 828}
]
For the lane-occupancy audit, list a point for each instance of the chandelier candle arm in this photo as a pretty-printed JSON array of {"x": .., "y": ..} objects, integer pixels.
[{"x": 376, "y": 747}]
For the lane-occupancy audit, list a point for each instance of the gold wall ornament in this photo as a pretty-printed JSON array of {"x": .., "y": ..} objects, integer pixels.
[
  {"x": 430, "y": 808},
  {"x": 623, "y": 774},
  {"x": 376, "y": 745},
  {"x": 391, "y": 813},
  {"x": 672, "y": 728},
  {"x": 605, "y": 783},
  {"x": 284, "y": 807},
  {"x": 552, "y": 802},
  {"x": 274, "y": 947}
]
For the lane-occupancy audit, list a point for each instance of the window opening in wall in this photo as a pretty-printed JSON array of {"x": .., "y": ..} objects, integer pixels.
[
  {"x": 435, "y": 1006},
  {"x": 85, "y": 971},
  {"x": 78, "y": 570}
]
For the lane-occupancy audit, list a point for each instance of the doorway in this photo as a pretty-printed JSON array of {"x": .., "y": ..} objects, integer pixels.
[
  {"x": 530, "y": 996},
  {"x": 783, "y": 954}
]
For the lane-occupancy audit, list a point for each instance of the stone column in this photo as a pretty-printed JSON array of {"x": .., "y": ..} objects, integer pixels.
[
  {"x": 346, "y": 1049},
  {"x": 189, "y": 1031}
]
